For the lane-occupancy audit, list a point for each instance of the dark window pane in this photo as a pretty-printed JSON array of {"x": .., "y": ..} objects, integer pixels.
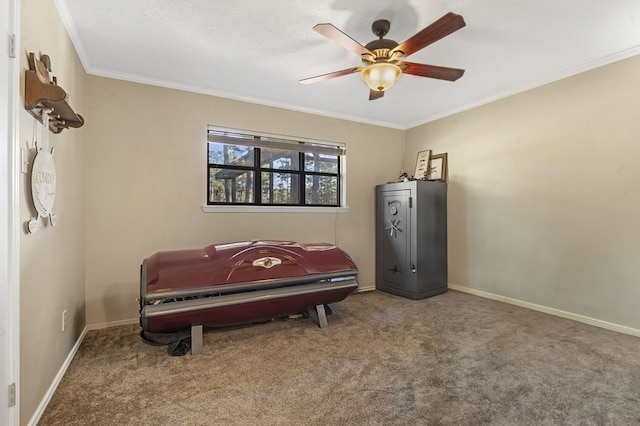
[
  {"x": 323, "y": 163},
  {"x": 280, "y": 188},
  {"x": 230, "y": 155},
  {"x": 230, "y": 186},
  {"x": 281, "y": 177},
  {"x": 321, "y": 190},
  {"x": 279, "y": 159}
]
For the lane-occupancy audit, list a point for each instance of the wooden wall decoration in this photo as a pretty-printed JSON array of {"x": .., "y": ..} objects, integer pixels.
[{"x": 44, "y": 96}]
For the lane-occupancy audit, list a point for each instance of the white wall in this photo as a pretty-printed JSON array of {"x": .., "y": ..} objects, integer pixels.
[
  {"x": 146, "y": 183},
  {"x": 543, "y": 193},
  {"x": 52, "y": 260}
]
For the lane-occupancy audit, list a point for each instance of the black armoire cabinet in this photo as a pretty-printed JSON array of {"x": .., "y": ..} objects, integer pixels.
[{"x": 411, "y": 238}]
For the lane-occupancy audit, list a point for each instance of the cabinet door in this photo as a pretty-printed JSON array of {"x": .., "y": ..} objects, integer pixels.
[{"x": 396, "y": 237}]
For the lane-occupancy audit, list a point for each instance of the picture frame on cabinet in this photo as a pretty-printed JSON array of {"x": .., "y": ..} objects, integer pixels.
[
  {"x": 438, "y": 167},
  {"x": 422, "y": 164}
]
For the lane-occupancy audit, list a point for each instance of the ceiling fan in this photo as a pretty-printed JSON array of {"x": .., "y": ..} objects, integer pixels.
[{"x": 383, "y": 59}]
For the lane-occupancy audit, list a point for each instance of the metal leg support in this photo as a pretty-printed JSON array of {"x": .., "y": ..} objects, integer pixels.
[
  {"x": 319, "y": 315},
  {"x": 196, "y": 339}
]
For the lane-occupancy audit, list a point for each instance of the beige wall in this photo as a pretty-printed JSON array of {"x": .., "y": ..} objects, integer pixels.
[
  {"x": 52, "y": 260},
  {"x": 543, "y": 193},
  {"x": 146, "y": 177}
]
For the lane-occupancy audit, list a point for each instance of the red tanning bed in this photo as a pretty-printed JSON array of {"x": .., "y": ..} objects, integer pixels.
[{"x": 242, "y": 282}]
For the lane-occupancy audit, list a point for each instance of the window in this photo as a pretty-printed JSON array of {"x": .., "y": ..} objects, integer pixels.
[{"x": 245, "y": 169}]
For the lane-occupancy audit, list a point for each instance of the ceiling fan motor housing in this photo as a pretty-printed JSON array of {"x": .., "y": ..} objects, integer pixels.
[
  {"x": 382, "y": 50},
  {"x": 381, "y": 47}
]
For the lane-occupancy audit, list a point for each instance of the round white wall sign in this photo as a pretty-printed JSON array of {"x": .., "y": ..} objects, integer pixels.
[{"x": 43, "y": 182}]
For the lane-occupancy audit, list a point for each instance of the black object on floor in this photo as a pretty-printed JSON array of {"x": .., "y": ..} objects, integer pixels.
[{"x": 180, "y": 348}]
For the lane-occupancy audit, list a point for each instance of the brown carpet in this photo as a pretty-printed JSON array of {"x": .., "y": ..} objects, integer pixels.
[{"x": 454, "y": 359}]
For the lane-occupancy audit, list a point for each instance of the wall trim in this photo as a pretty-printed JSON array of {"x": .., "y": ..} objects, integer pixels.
[
  {"x": 103, "y": 72},
  {"x": 552, "y": 311},
  {"x": 363, "y": 289},
  {"x": 104, "y": 325},
  {"x": 579, "y": 69},
  {"x": 547, "y": 310},
  {"x": 67, "y": 362},
  {"x": 540, "y": 308},
  {"x": 68, "y": 23},
  {"x": 56, "y": 381}
]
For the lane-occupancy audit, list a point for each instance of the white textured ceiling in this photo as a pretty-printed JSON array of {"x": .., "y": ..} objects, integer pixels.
[{"x": 257, "y": 50}]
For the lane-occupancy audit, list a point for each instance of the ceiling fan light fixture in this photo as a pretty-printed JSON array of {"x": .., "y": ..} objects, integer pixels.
[{"x": 381, "y": 75}]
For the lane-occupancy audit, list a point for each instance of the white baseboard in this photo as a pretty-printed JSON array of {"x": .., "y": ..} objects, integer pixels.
[
  {"x": 102, "y": 325},
  {"x": 65, "y": 365},
  {"x": 362, "y": 289},
  {"x": 552, "y": 311},
  {"x": 56, "y": 381}
]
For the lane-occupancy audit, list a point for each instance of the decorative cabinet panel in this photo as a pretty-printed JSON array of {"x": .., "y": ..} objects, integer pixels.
[{"x": 411, "y": 238}]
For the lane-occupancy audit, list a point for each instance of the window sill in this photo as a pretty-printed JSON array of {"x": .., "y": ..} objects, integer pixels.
[{"x": 273, "y": 209}]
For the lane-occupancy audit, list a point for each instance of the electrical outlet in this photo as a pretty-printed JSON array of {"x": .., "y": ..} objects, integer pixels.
[{"x": 64, "y": 320}]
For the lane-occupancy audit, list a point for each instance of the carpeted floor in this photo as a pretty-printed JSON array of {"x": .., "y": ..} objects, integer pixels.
[{"x": 454, "y": 359}]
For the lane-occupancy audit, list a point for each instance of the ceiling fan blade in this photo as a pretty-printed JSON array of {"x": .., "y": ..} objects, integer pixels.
[
  {"x": 432, "y": 71},
  {"x": 375, "y": 94},
  {"x": 444, "y": 26},
  {"x": 330, "y": 75},
  {"x": 332, "y": 33}
]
